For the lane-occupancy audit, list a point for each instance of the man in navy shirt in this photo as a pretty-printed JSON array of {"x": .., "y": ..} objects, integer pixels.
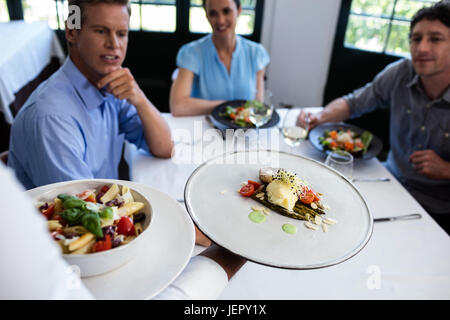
[{"x": 417, "y": 91}]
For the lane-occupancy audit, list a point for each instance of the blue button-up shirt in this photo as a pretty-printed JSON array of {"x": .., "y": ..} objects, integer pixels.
[
  {"x": 68, "y": 130},
  {"x": 417, "y": 123},
  {"x": 212, "y": 81}
]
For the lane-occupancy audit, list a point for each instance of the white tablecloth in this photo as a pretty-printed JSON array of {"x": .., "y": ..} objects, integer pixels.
[
  {"x": 403, "y": 259},
  {"x": 25, "y": 50}
]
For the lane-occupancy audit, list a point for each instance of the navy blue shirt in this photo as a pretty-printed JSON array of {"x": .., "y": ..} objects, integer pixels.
[{"x": 417, "y": 123}]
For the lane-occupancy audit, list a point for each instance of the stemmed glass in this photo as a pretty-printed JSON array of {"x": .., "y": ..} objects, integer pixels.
[
  {"x": 342, "y": 161},
  {"x": 293, "y": 132},
  {"x": 260, "y": 112}
]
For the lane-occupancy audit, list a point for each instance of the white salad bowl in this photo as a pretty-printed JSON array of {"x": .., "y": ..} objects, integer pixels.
[{"x": 92, "y": 264}]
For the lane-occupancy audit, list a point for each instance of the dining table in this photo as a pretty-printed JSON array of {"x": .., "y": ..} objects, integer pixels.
[
  {"x": 404, "y": 259},
  {"x": 26, "y": 49}
]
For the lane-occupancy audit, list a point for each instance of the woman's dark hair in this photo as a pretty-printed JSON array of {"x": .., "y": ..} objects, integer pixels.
[
  {"x": 238, "y": 3},
  {"x": 439, "y": 11}
]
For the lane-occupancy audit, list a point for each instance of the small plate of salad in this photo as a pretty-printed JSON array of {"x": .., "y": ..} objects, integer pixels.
[
  {"x": 361, "y": 143},
  {"x": 234, "y": 114}
]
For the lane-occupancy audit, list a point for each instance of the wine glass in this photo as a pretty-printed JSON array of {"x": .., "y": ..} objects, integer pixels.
[
  {"x": 293, "y": 132},
  {"x": 260, "y": 112},
  {"x": 342, "y": 161}
]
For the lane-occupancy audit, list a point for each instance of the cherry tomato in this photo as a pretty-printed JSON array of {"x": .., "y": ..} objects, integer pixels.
[
  {"x": 247, "y": 190},
  {"x": 233, "y": 116},
  {"x": 316, "y": 196},
  {"x": 307, "y": 197},
  {"x": 48, "y": 213},
  {"x": 333, "y": 134},
  {"x": 126, "y": 226},
  {"x": 91, "y": 198},
  {"x": 103, "y": 245},
  {"x": 254, "y": 183},
  {"x": 349, "y": 146}
]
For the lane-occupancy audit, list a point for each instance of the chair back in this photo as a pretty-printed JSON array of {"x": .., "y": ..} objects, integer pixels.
[{"x": 4, "y": 157}]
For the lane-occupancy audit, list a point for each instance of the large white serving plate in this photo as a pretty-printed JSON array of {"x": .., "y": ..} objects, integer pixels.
[
  {"x": 164, "y": 252},
  {"x": 221, "y": 212}
]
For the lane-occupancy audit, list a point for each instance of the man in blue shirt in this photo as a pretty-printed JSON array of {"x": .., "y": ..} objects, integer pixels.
[
  {"x": 74, "y": 125},
  {"x": 417, "y": 91}
]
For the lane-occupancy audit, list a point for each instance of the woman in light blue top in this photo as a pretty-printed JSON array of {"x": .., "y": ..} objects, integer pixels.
[{"x": 218, "y": 67}]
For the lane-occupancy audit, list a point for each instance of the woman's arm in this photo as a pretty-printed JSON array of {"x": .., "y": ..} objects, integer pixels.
[
  {"x": 260, "y": 84},
  {"x": 181, "y": 102}
]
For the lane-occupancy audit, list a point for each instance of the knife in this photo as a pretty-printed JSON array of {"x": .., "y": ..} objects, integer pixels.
[
  {"x": 370, "y": 179},
  {"x": 404, "y": 217}
]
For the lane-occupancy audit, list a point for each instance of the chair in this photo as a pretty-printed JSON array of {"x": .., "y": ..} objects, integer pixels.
[{"x": 4, "y": 157}]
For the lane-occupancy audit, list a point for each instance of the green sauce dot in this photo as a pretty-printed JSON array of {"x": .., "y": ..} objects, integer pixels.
[
  {"x": 289, "y": 228},
  {"x": 257, "y": 216}
]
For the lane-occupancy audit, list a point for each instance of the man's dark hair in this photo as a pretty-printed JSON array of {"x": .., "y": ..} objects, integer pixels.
[
  {"x": 82, "y": 4},
  {"x": 439, "y": 11},
  {"x": 238, "y": 3}
]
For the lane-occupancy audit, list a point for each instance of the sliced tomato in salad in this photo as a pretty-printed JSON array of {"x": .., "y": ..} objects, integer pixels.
[
  {"x": 103, "y": 245},
  {"x": 48, "y": 213},
  {"x": 126, "y": 226},
  {"x": 88, "y": 196},
  {"x": 247, "y": 190}
]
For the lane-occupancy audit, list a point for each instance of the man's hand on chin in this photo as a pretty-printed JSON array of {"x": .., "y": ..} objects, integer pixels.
[{"x": 122, "y": 85}]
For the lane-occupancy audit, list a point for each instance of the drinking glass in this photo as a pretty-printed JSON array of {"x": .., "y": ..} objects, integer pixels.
[
  {"x": 342, "y": 161},
  {"x": 260, "y": 112},
  {"x": 294, "y": 134}
]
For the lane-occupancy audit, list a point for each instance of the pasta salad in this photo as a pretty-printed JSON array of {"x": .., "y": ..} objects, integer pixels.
[{"x": 94, "y": 221}]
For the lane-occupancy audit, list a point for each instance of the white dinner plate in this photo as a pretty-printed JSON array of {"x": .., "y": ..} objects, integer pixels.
[
  {"x": 220, "y": 212},
  {"x": 168, "y": 248}
]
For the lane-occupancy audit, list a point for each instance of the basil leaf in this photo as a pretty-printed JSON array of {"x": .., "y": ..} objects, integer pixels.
[
  {"x": 72, "y": 216},
  {"x": 107, "y": 213},
  {"x": 91, "y": 221},
  {"x": 74, "y": 203},
  {"x": 65, "y": 197}
]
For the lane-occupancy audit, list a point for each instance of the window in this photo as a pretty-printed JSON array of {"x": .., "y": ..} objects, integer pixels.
[
  {"x": 156, "y": 15},
  {"x": 146, "y": 15},
  {"x": 382, "y": 25},
  {"x": 199, "y": 24},
  {"x": 52, "y": 11},
  {"x": 4, "y": 15}
]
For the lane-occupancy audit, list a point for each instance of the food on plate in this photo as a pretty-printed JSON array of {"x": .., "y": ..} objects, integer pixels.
[
  {"x": 285, "y": 193},
  {"x": 347, "y": 140},
  {"x": 240, "y": 115},
  {"x": 94, "y": 221}
]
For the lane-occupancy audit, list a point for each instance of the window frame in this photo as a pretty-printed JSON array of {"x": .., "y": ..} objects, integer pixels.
[
  {"x": 347, "y": 10},
  {"x": 16, "y": 12}
]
